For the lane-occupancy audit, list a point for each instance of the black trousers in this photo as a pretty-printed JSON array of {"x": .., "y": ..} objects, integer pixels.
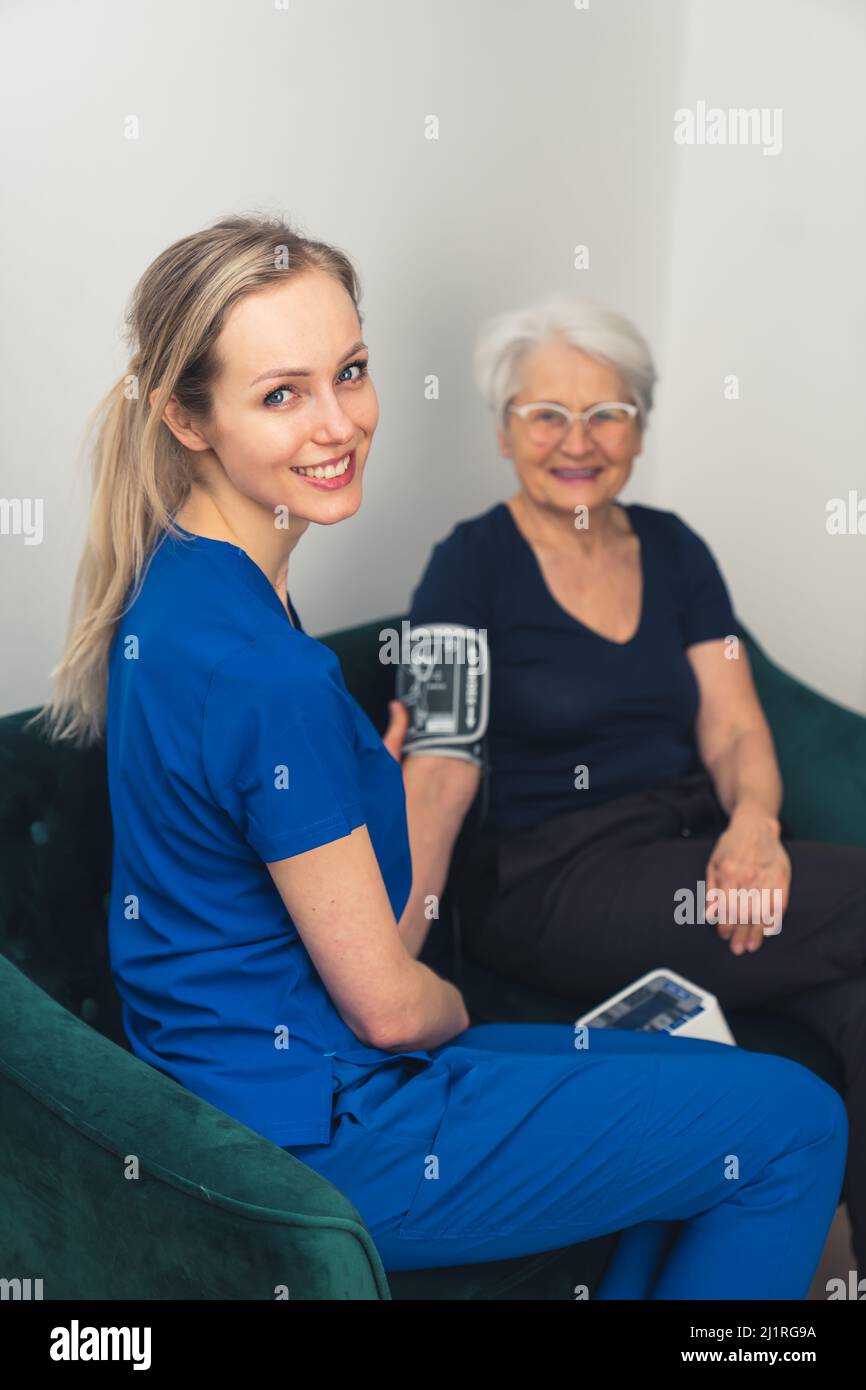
[{"x": 583, "y": 904}]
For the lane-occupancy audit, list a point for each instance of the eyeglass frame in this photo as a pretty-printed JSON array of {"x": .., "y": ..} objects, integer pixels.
[{"x": 571, "y": 415}]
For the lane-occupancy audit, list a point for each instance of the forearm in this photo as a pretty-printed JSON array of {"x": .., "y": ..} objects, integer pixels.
[
  {"x": 435, "y": 1013},
  {"x": 439, "y": 792},
  {"x": 746, "y": 775}
]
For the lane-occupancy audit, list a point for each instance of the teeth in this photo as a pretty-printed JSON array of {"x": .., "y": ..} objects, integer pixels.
[{"x": 331, "y": 470}]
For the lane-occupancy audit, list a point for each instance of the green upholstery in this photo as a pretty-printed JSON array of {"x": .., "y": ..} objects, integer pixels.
[
  {"x": 214, "y": 1210},
  {"x": 822, "y": 754},
  {"x": 116, "y": 1182}
]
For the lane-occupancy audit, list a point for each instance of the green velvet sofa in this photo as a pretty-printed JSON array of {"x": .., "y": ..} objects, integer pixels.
[{"x": 117, "y": 1183}]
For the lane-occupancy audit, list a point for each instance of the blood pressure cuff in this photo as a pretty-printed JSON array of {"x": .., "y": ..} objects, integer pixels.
[{"x": 443, "y": 679}]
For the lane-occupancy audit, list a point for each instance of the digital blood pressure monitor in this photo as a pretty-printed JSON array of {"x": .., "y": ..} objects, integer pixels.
[{"x": 663, "y": 1002}]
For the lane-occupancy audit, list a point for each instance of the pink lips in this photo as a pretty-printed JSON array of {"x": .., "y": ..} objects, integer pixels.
[{"x": 329, "y": 484}]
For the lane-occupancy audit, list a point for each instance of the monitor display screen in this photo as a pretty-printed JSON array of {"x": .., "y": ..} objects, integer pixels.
[{"x": 660, "y": 1006}]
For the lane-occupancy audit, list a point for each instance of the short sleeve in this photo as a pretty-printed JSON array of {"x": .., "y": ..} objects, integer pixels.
[
  {"x": 279, "y": 747},
  {"x": 707, "y": 609},
  {"x": 454, "y": 585}
]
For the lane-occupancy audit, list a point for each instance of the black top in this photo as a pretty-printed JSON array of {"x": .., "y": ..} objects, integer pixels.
[{"x": 576, "y": 718}]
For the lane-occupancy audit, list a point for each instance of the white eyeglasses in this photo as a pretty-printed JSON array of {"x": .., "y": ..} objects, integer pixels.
[{"x": 546, "y": 422}]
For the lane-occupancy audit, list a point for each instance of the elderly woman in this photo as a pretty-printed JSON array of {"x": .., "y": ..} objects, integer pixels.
[{"x": 630, "y": 762}]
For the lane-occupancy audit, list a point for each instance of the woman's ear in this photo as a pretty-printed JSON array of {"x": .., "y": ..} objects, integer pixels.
[
  {"x": 180, "y": 424},
  {"x": 504, "y": 443}
]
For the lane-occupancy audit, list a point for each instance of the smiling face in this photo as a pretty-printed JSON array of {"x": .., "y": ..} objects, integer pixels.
[
  {"x": 294, "y": 409},
  {"x": 580, "y": 468}
]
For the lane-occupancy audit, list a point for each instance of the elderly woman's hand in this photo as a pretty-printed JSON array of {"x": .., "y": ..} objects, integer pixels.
[{"x": 749, "y": 856}]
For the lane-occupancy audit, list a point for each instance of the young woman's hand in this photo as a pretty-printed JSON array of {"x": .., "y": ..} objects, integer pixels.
[
  {"x": 749, "y": 856},
  {"x": 395, "y": 733}
]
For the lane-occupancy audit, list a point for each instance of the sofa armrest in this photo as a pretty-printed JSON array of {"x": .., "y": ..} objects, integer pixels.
[
  {"x": 215, "y": 1212},
  {"x": 821, "y": 747}
]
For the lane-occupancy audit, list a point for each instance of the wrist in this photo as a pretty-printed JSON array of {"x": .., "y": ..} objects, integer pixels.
[{"x": 755, "y": 813}]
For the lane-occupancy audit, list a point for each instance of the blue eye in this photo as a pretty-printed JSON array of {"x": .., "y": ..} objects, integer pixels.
[
  {"x": 276, "y": 391},
  {"x": 362, "y": 370},
  {"x": 359, "y": 366}
]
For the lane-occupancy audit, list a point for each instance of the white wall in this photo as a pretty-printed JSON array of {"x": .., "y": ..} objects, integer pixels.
[
  {"x": 766, "y": 282},
  {"x": 555, "y": 129}
]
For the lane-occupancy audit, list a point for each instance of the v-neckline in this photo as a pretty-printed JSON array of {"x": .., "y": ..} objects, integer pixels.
[
  {"x": 539, "y": 572},
  {"x": 254, "y": 574}
]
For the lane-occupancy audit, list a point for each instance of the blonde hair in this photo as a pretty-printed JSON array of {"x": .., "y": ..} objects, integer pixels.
[{"x": 141, "y": 472}]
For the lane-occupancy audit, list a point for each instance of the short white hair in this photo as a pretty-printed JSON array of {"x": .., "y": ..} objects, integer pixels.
[{"x": 506, "y": 340}]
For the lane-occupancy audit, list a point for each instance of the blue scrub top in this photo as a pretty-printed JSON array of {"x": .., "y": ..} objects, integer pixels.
[
  {"x": 562, "y": 696},
  {"x": 232, "y": 742}
]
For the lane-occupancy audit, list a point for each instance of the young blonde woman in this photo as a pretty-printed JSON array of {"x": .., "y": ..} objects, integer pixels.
[{"x": 261, "y": 860}]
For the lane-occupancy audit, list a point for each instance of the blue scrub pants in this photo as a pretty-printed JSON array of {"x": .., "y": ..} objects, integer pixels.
[{"x": 514, "y": 1141}]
